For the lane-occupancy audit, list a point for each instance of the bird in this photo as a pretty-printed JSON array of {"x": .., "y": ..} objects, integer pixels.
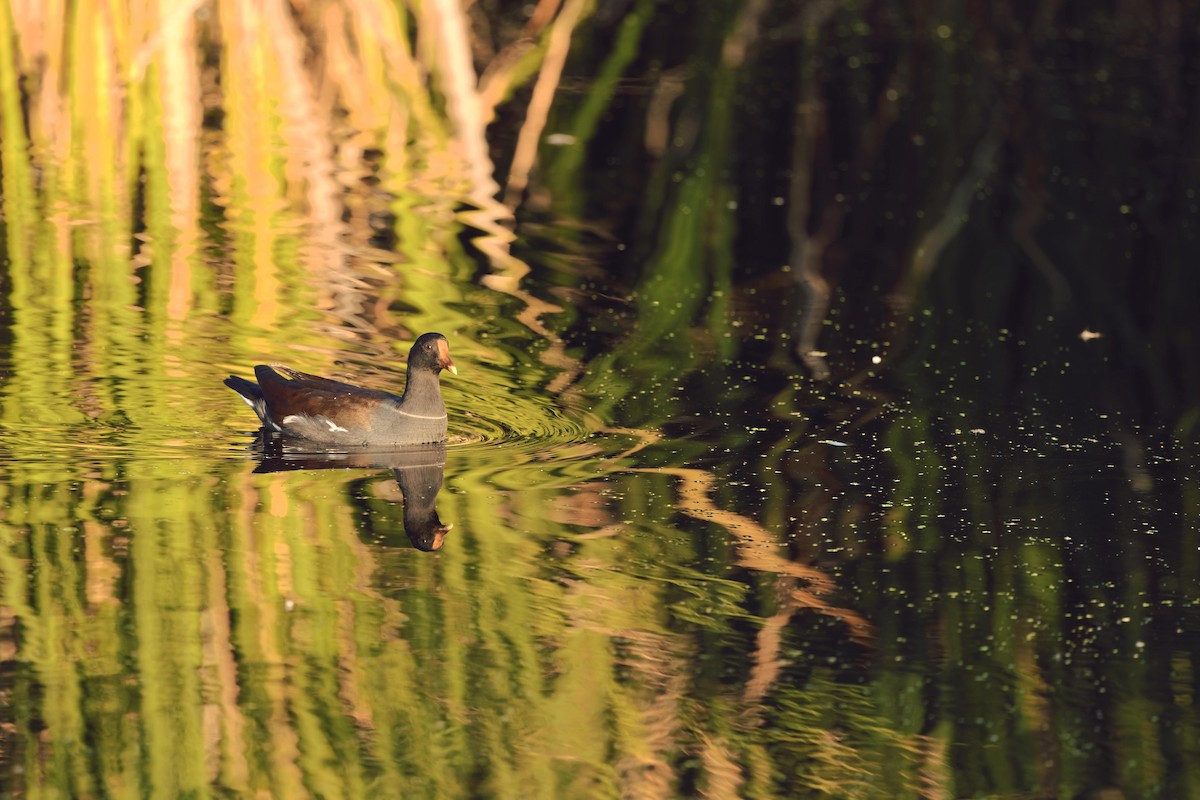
[{"x": 330, "y": 413}]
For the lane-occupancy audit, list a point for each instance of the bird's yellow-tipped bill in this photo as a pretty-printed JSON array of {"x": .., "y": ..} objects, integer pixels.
[{"x": 444, "y": 357}]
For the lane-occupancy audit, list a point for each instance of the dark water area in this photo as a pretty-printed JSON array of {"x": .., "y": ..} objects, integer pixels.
[{"x": 825, "y": 426}]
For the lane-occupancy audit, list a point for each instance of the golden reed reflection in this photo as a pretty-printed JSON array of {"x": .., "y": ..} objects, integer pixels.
[{"x": 799, "y": 587}]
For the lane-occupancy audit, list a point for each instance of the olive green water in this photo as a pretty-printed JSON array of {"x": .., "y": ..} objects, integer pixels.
[{"x": 825, "y": 426}]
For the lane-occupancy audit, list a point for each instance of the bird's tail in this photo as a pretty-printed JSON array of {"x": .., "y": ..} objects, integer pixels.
[{"x": 251, "y": 393}]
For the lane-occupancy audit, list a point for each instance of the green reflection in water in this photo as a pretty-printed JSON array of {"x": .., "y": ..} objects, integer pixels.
[{"x": 768, "y": 589}]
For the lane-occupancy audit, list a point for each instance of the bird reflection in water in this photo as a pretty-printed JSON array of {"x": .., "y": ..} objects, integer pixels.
[{"x": 418, "y": 472}]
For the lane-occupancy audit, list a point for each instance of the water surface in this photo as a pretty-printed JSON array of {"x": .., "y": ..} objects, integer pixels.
[{"x": 825, "y": 423}]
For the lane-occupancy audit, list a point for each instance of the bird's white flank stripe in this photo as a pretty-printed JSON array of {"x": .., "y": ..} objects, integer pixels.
[
  {"x": 419, "y": 416},
  {"x": 302, "y": 418}
]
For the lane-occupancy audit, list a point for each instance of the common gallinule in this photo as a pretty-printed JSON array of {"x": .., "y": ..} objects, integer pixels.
[{"x": 332, "y": 413}]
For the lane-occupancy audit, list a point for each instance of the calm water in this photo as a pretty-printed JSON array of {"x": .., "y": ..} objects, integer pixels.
[{"x": 825, "y": 424}]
